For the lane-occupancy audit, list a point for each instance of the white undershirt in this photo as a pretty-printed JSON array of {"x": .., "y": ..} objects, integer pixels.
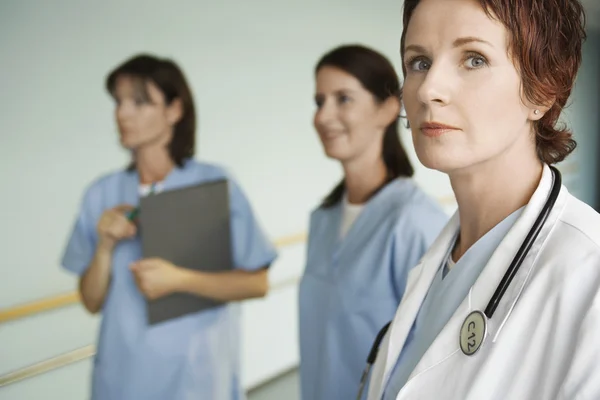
[
  {"x": 450, "y": 263},
  {"x": 146, "y": 188},
  {"x": 349, "y": 214}
]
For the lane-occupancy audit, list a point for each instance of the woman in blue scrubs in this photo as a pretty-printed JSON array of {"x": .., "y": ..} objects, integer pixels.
[
  {"x": 368, "y": 232},
  {"x": 191, "y": 357}
]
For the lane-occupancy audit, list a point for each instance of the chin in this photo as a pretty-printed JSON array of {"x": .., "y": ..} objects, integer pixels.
[
  {"x": 129, "y": 144},
  {"x": 439, "y": 159},
  {"x": 334, "y": 152}
]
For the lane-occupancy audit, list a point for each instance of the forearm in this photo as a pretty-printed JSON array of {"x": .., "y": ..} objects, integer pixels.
[
  {"x": 225, "y": 286},
  {"x": 93, "y": 285}
]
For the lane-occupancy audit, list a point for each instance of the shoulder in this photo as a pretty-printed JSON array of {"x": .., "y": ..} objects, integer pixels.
[
  {"x": 106, "y": 183},
  {"x": 577, "y": 232},
  {"x": 572, "y": 252},
  {"x": 582, "y": 219},
  {"x": 206, "y": 171}
]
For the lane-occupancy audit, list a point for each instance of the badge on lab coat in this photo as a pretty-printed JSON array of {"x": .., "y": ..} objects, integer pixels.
[{"x": 473, "y": 332}]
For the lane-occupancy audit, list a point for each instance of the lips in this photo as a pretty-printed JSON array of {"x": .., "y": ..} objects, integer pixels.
[
  {"x": 331, "y": 134},
  {"x": 436, "y": 129}
]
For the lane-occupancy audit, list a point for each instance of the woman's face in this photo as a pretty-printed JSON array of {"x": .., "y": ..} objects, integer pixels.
[
  {"x": 462, "y": 92},
  {"x": 142, "y": 116},
  {"x": 348, "y": 119}
]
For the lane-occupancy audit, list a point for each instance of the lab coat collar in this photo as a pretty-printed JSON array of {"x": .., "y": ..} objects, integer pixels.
[
  {"x": 419, "y": 281},
  {"x": 480, "y": 294},
  {"x": 490, "y": 277}
]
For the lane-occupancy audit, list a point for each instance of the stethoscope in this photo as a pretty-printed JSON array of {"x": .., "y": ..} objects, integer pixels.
[{"x": 474, "y": 328}]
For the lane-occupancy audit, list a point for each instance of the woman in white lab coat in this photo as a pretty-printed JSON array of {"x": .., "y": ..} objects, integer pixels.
[{"x": 485, "y": 84}]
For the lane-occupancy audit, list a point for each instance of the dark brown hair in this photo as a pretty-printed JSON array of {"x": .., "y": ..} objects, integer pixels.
[
  {"x": 377, "y": 75},
  {"x": 169, "y": 79},
  {"x": 545, "y": 45}
]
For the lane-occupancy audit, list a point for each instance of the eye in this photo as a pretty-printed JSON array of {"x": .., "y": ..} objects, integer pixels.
[
  {"x": 418, "y": 64},
  {"x": 343, "y": 99},
  {"x": 140, "y": 101},
  {"x": 319, "y": 102},
  {"x": 475, "y": 61}
]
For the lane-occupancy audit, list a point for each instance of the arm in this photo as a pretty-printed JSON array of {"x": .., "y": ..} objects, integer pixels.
[
  {"x": 157, "y": 278},
  {"x": 582, "y": 379},
  {"x": 226, "y": 286},
  {"x": 93, "y": 285},
  {"x": 252, "y": 254}
]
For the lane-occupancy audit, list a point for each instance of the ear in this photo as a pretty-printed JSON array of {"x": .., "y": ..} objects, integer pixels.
[
  {"x": 389, "y": 111},
  {"x": 536, "y": 113},
  {"x": 175, "y": 111}
]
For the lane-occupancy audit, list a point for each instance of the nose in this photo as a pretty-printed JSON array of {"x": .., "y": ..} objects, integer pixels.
[
  {"x": 123, "y": 111},
  {"x": 435, "y": 89},
  {"x": 324, "y": 114}
]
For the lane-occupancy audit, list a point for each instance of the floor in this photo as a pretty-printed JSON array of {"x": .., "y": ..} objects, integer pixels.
[{"x": 285, "y": 387}]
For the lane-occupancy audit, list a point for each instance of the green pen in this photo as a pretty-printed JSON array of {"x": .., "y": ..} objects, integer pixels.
[{"x": 133, "y": 214}]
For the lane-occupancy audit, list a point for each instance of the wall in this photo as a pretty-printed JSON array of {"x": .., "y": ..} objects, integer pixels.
[
  {"x": 583, "y": 117},
  {"x": 250, "y": 65}
]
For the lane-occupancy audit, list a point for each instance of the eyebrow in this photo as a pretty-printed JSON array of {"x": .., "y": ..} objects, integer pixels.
[
  {"x": 339, "y": 91},
  {"x": 469, "y": 39},
  {"x": 457, "y": 43}
]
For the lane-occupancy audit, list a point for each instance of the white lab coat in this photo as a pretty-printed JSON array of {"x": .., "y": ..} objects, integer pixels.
[{"x": 543, "y": 341}]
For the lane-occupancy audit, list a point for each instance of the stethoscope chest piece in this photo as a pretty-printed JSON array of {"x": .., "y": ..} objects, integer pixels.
[{"x": 473, "y": 332}]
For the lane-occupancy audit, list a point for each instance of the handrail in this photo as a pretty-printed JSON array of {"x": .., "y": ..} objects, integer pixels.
[
  {"x": 73, "y": 356},
  {"x": 48, "y": 365},
  {"x": 67, "y": 299}
]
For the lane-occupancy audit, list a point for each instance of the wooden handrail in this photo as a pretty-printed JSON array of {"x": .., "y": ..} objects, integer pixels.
[
  {"x": 83, "y": 353},
  {"x": 67, "y": 299}
]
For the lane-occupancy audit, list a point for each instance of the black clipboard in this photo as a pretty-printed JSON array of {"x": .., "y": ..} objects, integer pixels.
[{"x": 189, "y": 227}]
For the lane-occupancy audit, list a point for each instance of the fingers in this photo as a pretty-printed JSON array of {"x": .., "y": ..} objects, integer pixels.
[
  {"x": 115, "y": 224},
  {"x": 124, "y": 208},
  {"x": 145, "y": 264},
  {"x": 144, "y": 282}
]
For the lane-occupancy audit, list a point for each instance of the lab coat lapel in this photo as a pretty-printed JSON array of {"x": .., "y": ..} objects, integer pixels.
[
  {"x": 419, "y": 281},
  {"x": 491, "y": 276},
  {"x": 482, "y": 291}
]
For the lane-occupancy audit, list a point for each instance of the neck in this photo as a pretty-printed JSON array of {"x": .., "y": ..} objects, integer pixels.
[
  {"x": 363, "y": 178},
  {"x": 153, "y": 164},
  {"x": 491, "y": 192}
]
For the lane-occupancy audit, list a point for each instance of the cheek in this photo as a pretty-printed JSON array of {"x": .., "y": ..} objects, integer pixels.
[
  {"x": 152, "y": 121},
  {"x": 315, "y": 121},
  {"x": 359, "y": 123},
  {"x": 409, "y": 98},
  {"x": 494, "y": 109}
]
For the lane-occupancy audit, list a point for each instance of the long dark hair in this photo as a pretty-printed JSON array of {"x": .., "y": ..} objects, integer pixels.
[
  {"x": 169, "y": 79},
  {"x": 377, "y": 75}
]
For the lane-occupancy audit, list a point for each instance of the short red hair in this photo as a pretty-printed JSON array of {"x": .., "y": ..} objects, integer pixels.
[{"x": 546, "y": 42}]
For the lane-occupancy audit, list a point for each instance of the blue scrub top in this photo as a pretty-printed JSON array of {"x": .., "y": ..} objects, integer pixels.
[
  {"x": 352, "y": 287},
  {"x": 447, "y": 292},
  {"x": 191, "y": 357}
]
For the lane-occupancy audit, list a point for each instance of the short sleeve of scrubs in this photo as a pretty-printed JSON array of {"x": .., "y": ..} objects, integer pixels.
[
  {"x": 252, "y": 250},
  {"x": 81, "y": 246}
]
